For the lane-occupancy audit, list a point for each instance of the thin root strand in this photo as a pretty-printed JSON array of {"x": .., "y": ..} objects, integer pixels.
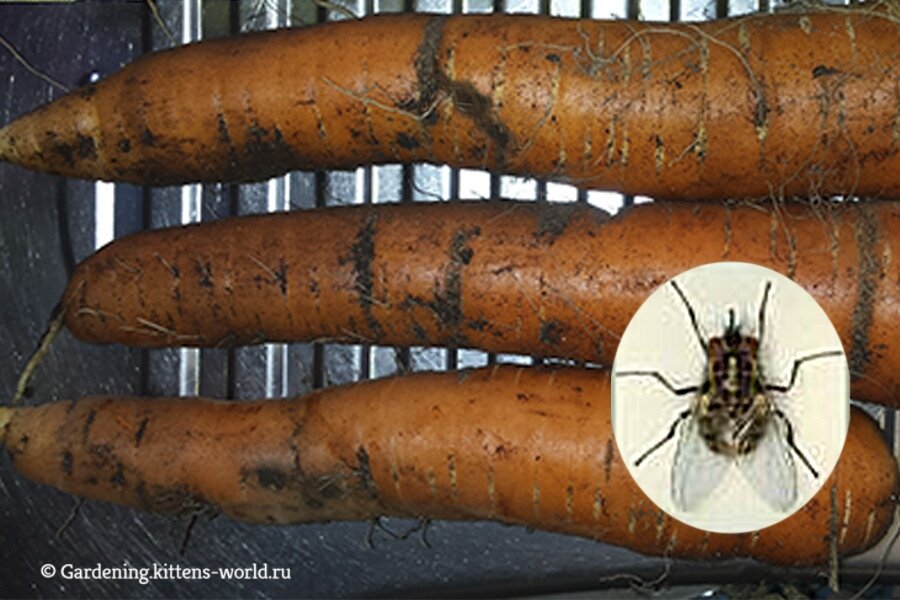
[{"x": 53, "y": 327}]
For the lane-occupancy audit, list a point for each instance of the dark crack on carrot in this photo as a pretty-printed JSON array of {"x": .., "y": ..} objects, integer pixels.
[
  {"x": 446, "y": 305},
  {"x": 139, "y": 434},
  {"x": 608, "y": 459},
  {"x": 478, "y": 324},
  {"x": 281, "y": 276},
  {"x": 822, "y": 71},
  {"x": 65, "y": 153},
  {"x": 265, "y": 153},
  {"x": 465, "y": 96},
  {"x": 66, "y": 462},
  {"x": 867, "y": 237},
  {"x": 222, "y": 129},
  {"x": 364, "y": 472},
  {"x": 256, "y": 138},
  {"x": 88, "y": 422},
  {"x": 147, "y": 138},
  {"x": 551, "y": 332},
  {"x": 553, "y": 222},
  {"x": 101, "y": 455},
  {"x": 361, "y": 256},
  {"x": 427, "y": 67},
  {"x": 407, "y": 142},
  {"x": 761, "y": 111},
  {"x": 118, "y": 477},
  {"x": 418, "y": 331},
  {"x": 271, "y": 477},
  {"x": 225, "y": 137},
  {"x": 86, "y": 148},
  {"x": 448, "y": 301},
  {"x": 479, "y": 107},
  {"x": 204, "y": 272}
]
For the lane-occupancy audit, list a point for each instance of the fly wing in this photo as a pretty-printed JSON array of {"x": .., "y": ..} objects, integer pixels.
[
  {"x": 770, "y": 468},
  {"x": 697, "y": 470}
]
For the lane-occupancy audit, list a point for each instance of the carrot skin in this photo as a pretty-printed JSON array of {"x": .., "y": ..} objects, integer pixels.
[
  {"x": 784, "y": 104},
  {"x": 468, "y": 445},
  {"x": 558, "y": 281}
]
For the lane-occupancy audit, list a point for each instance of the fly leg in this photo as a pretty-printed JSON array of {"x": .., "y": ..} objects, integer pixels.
[
  {"x": 771, "y": 387},
  {"x": 681, "y": 417},
  {"x": 761, "y": 321},
  {"x": 693, "y": 317},
  {"x": 691, "y": 389},
  {"x": 792, "y": 444}
]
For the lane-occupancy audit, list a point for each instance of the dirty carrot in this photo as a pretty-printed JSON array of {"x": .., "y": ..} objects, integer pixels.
[
  {"x": 520, "y": 445},
  {"x": 794, "y": 103},
  {"x": 545, "y": 280}
]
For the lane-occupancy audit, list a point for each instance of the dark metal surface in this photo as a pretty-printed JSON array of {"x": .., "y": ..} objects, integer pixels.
[{"x": 48, "y": 223}]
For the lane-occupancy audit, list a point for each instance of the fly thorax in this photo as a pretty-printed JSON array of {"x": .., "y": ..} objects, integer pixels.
[
  {"x": 733, "y": 366},
  {"x": 732, "y": 380}
]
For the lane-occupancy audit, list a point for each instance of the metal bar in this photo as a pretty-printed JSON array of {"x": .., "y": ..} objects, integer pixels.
[{"x": 189, "y": 363}]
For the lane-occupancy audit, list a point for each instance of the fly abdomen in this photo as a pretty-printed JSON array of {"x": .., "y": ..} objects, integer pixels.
[{"x": 731, "y": 424}]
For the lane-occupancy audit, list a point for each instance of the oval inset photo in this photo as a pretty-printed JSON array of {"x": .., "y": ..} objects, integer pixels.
[{"x": 731, "y": 397}]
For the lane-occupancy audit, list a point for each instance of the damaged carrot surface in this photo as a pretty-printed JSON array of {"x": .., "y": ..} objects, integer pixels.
[
  {"x": 793, "y": 103},
  {"x": 546, "y": 280},
  {"x": 525, "y": 446}
]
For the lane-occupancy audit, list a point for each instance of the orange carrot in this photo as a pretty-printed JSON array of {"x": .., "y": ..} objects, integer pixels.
[
  {"x": 785, "y": 104},
  {"x": 558, "y": 281},
  {"x": 525, "y": 446}
]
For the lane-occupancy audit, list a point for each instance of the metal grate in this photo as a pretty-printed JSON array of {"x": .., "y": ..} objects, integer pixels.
[{"x": 65, "y": 220}]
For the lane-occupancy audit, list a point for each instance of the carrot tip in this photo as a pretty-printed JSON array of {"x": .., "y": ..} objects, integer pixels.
[
  {"x": 7, "y": 145},
  {"x": 6, "y": 415}
]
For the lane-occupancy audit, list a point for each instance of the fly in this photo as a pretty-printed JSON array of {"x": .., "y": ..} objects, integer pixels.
[{"x": 733, "y": 418}]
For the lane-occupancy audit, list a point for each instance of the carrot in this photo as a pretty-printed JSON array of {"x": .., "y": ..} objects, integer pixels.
[
  {"x": 555, "y": 281},
  {"x": 785, "y": 104},
  {"x": 525, "y": 446}
]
